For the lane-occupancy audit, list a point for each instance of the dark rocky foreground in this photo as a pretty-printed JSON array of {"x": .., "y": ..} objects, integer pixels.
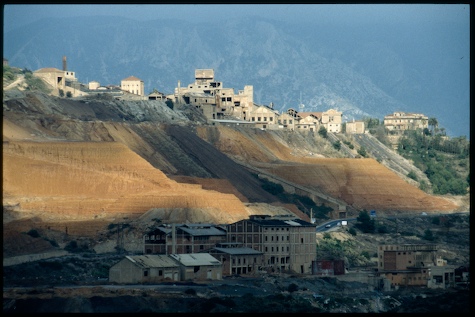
[{"x": 269, "y": 294}]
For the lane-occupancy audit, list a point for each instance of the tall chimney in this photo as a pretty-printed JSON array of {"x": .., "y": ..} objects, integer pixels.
[{"x": 65, "y": 68}]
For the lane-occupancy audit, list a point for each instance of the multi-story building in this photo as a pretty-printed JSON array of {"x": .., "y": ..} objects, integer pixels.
[
  {"x": 237, "y": 259},
  {"x": 401, "y": 121},
  {"x": 215, "y": 101},
  {"x": 183, "y": 238},
  {"x": 288, "y": 120},
  {"x": 310, "y": 121},
  {"x": 263, "y": 116},
  {"x": 413, "y": 265},
  {"x": 133, "y": 85},
  {"x": 331, "y": 120},
  {"x": 287, "y": 245}
]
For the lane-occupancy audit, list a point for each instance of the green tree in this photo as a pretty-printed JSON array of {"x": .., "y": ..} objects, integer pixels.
[
  {"x": 365, "y": 223},
  {"x": 433, "y": 124},
  {"x": 337, "y": 145},
  {"x": 362, "y": 151},
  {"x": 412, "y": 175},
  {"x": 323, "y": 132}
]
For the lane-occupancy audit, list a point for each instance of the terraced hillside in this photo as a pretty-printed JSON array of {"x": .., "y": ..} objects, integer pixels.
[
  {"x": 87, "y": 180},
  {"x": 97, "y": 159},
  {"x": 362, "y": 183}
]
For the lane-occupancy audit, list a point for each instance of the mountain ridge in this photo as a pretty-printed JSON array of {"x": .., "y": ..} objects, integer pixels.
[{"x": 283, "y": 61}]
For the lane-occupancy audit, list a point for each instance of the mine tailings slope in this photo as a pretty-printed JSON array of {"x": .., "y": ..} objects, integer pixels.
[
  {"x": 89, "y": 180},
  {"x": 361, "y": 182}
]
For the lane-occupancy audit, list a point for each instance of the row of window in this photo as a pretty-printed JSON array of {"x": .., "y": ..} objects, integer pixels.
[
  {"x": 276, "y": 249},
  {"x": 253, "y": 119},
  {"x": 243, "y": 260}
]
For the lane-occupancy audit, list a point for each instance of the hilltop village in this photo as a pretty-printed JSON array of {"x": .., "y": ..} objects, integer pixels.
[
  {"x": 285, "y": 244},
  {"x": 222, "y": 105}
]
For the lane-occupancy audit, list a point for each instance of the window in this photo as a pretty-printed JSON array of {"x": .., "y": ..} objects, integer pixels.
[
  {"x": 160, "y": 272},
  {"x": 145, "y": 273}
]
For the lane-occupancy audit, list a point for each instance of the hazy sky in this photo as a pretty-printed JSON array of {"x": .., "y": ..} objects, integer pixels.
[{"x": 18, "y": 15}]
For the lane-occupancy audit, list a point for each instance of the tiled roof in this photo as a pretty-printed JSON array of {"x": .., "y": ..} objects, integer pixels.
[
  {"x": 49, "y": 70},
  {"x": 306, "y": 114},
  {"x": 132, "y": 78}
]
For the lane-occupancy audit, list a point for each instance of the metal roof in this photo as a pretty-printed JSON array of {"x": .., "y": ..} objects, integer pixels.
[
  {"x": 149, "y": 261},
  {"x": 195, "y": 259},
  {"x": 207, "y": 231},
  {"x": 282, "y": 223}
]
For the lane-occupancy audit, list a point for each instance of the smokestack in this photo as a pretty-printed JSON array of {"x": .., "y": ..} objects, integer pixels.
[{"x": 65, "y": 68}]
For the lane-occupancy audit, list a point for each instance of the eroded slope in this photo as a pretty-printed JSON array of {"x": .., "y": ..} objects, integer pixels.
[{"x": 87, "y": 180}]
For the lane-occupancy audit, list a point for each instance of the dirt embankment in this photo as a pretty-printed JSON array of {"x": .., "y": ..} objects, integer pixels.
[{"x": 97, "y": 159}]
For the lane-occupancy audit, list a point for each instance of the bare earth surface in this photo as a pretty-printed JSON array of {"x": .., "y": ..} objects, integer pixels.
[{"x": 71, "y": 168}]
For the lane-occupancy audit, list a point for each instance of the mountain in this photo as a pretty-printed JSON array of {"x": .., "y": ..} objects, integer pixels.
[{"x": 361, "y": 70}]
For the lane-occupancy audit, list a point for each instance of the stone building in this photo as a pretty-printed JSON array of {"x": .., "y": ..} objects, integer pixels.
[
  {"x": 213, "y": 98},
  {"x": 287, "y": 245},
  {"x": 61, "y": 80},
  {"x": 310, "y": 121},
  {"x": 355, "y": 127},
  {"x": 413, "y": 265},
  {"x": 331, "y": 120},
  {"x": 237, "y": 259},
  {"x": 401, "y": 121},
  {"x": 263, "y": 117},
  {"x": 133, "y": 85},
  {"x": 183, "y": 238},
  {"x": 144, "y": 269},
  {"x": 198, "y": 266}
]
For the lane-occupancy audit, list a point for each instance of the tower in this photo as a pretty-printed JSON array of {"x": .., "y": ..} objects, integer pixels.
[{"x": 65, "y": 67}]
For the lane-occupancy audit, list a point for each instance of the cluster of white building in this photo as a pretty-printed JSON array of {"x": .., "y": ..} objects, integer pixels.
[{"x": 222, "y": 105}]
